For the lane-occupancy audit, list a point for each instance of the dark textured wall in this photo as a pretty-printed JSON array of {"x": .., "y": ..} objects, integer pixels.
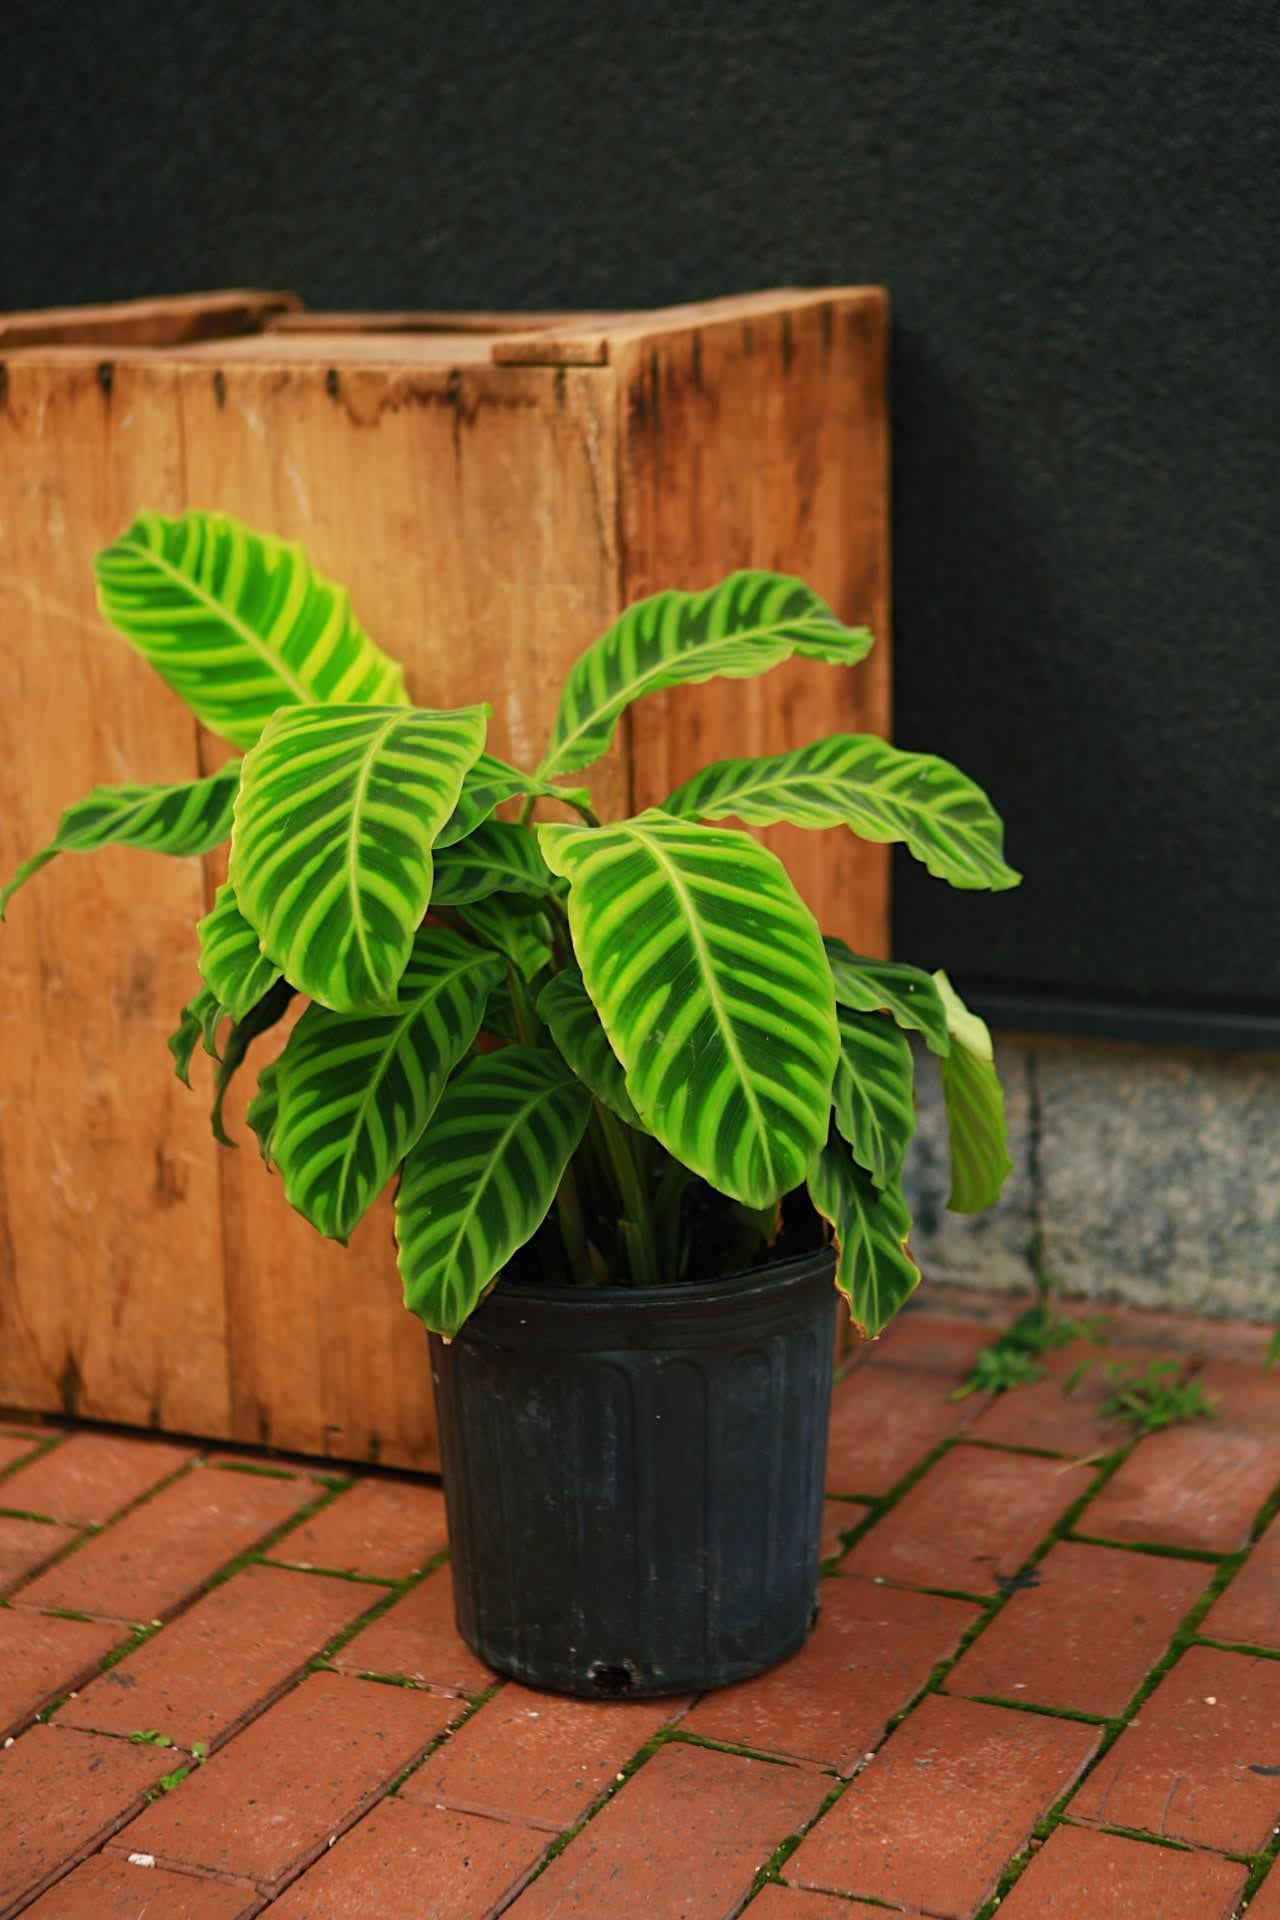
[{"x": 1075, "y": 207}]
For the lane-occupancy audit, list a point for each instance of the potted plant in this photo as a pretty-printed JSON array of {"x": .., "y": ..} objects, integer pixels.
[{"x": 638, "y": 1112}]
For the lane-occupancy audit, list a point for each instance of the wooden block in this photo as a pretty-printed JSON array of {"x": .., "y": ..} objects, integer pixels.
[
  {"x": 146, "y": 323},
  {"x": 491, "y": 510}
]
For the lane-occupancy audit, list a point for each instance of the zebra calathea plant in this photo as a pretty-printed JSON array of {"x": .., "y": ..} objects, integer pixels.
[{"x": 620, "y": 1047}]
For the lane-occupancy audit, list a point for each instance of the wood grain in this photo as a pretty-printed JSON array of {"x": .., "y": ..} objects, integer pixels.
[
  {"x": 760, "y": 440},
  {"x": 146, "y": 323},
  {"x": 490, "y": 520},
  {"x": 111, "y": 1267}
]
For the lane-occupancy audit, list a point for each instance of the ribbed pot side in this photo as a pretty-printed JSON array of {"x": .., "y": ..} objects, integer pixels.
[{"x": 634, "y": 1477}]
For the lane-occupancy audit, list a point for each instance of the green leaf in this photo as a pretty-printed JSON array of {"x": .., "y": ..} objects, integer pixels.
[
  {"x": 523, "y": 938},
  {"x": 708, "y": 974},
  {"x": 576, "y": 1030},
  {"x": 482, "y": 1178},
  {"x": 859, "y": 781},
  {"x": 331, "y": 850},
  {"x": 495, "y": 858},
  {"x": 354, "y": 1091},
  {"x": 975, "y": 1108},
  {"x": 907, "y": 993},
  {"x": 238, "y": 623},
  {"x": 750, "y": 622},
  {"x": 491, "y": 781},
  {"x": 199, "y": 1021},
  {"x": 271, "y": 1008},
  {"x": 260, "y": 1114},
  {"x": 874, "y": 1271},
  {"x": 874, "y": 1109},
  {"x": 232, "y": 963},
  {"x": 187, "y": 817}
]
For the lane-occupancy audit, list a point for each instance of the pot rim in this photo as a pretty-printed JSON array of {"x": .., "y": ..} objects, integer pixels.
[{"x": 771, "y": 1278}]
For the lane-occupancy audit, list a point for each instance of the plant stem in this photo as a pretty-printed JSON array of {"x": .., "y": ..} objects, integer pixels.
[
  {"x": 636, "y": 1211},
  {"x": 572, "y": 1231}
]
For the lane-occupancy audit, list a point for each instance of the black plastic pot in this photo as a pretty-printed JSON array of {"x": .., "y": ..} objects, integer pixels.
[{"x": 634, "y": 1477}]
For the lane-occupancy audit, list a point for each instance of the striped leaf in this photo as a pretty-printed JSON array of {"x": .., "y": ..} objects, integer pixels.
[
  {"x": 576, "y": 1030},
  {"x": 188, "y": 817},
  {"x": 975, "y": 1108},
  {"x": 232, "y": 964},
  {"x": 271, "y": 1008},
  {"x": 872, "y": 1097},
  {"x": 708, "y": 974},
  {"x": 482, "y": 1178},
  {"x": 491, "y": 781},
  {"x": 907, "y": 993},
  {"x": 331, "y": 849},
  {"x": 495, "y": 858},
  {"x": 354, "y": 1091},
  {"x": 238, "y": 623},
  {"x": 260, "y": 1114},
  {"x": 861, "y": 782},
  {"x": 199, "y": 1021},
  {"x": 874, "y": 1271},
  {"x": 509, "y": 928},
  {"x": 750, "y": 622}
]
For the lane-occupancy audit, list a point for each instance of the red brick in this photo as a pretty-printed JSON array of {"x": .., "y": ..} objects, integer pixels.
[
  {"x": 42, "y": 1656},
  {"x": 793, "y": 1903},
  {"x": 91, "y": 1476},
  {"x": 931, "y": 1343},
  {"x": 62, "y": 1794},
  {"x": 26, "y": 1545},
  {"x": 883, "y": 1421},
  {"x": 1186, "y": 1767},
  {"x": 415, "y": 1863},
  {"x": 12, "y": 1449},
  {"x": 171, "y": 1546},
  {"x": 1078, "y": 1875},
  {"x": 226, "y": 1656},
  {"x": 416, "y": 1639},
  {"x": 873, "y": 1648},
  {"x": 1265, "y": 1904},
  {"x": 838, "y": 1517},
  {"x": 110, "y": 1887},
  {"x": 270, "y": 1801},
  {"x": 1249, "y": 1610},
  {"x": 942, "y": 1807},
  {"x": 1202, "y": 1484},
  {"x": 384, "y": 1528},
  {"x": 537, "y": 1757},
  {"x": 976, "y": 1514},
  {"x": 683, "y": 1839},
  {"x": 1087, "y": 1634},
  {"x": 1044, "y": 1414}
]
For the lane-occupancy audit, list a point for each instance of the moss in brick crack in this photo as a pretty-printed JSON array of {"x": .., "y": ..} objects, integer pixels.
[{"x": 1014, "y": 1356}]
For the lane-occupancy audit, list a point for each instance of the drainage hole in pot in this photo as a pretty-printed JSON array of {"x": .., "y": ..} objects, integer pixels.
[{"x": 611, "y": 1682}]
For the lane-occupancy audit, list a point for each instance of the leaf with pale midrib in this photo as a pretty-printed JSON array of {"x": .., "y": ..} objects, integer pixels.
[
  {"x": 494, "y": 858},
  {"x": 354, "y": 1091},
  {"x": 880, "y": 792},
  {"x": 238, "y": 623},
  {"x": 183, "y": 817},
  {"x": 872, "y": 1096},
  {"x": 331, "y": 853},
  {"x": 907, "y": 993},
  {"x": 482, "y": 1178},
  {"x": 750, "y": 622},
  {"x": 232, "y": 963},
  {"x": 708, "y": 974},
  {"x": 874, "y": 1271},
  {"x": 575, "y": 1027}
]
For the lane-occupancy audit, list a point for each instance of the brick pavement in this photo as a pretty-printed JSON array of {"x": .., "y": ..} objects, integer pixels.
[{"x": 1046, "y": 1677}]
